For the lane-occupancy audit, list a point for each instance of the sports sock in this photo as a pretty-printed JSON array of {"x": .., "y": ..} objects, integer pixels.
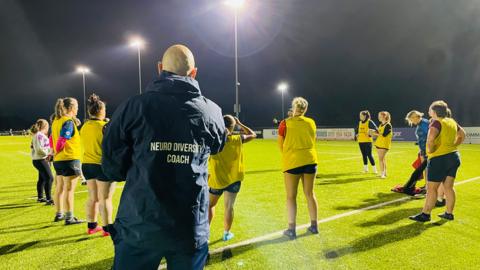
[
  {"x": 291, "y": 226},
  {"x": 59, "y": 214},
  {"x": 68, "y": 215},
  {"x": 92, "y": 225}
]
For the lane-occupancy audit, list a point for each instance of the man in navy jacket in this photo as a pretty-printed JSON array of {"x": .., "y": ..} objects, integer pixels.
[{"x": 160, "y": 142}]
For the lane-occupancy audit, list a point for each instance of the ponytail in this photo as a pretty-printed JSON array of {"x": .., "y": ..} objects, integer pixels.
[
  {"x": 59, "y": 109},
  {"x": 95, "y": 105},
  {"x": 39, "y": 125},
  {"x": 63, "y": 106}
]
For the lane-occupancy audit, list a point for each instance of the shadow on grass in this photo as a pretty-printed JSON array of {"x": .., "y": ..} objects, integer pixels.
[
  {"x": 14, "y": 248},
  {"x": 15, "y": 206},
  {"x": 231, "y": 252},
  {"x": 382, "y": 239},
  {"x": 15, "y": 229},
  {"x": 391, "y": 217},
  {"x": 380, "y": 197},
  {"x": 100, "y": 265},
  {"x": 344, "y": 181},
  {"x": 336, "y": 175},
  {"x": 263, "y": 171}
]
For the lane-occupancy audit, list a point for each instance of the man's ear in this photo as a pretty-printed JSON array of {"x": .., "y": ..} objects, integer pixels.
[
  {"x": 193, "y": 73},
  {"x": 159, "y": 67}
]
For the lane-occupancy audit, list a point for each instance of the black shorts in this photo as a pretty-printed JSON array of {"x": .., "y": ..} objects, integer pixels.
[
  {"x": 68, "y": 167},
  {"x": 93, "y": 171},
  {"x": 439, "y": 168},
  {"x": 233, "y": 188},
  {"x": 307, "y": 169}
]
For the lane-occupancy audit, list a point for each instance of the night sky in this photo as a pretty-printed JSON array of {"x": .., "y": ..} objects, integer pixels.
[{"x": 342, "y": 55}]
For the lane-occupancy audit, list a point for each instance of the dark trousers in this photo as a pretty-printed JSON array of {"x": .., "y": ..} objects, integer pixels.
[
  {"x": 366, "y": 149},
  {"x": 409, "y": 187},
  {"x": 45, "y": 178},
  {"x": 132, "y": 258}
]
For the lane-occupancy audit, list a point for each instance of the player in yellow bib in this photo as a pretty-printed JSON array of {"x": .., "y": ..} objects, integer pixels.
[
  {"x": 226, "y": 172},
  {"x": 444, "y": 137},
  {"x": 67, "y": 149},
  {"x": 100, "y": 188},
  {"x": 297, "y": 139},
  {"x": 384, "y": 140},
  {"x": 366, "y": 127}
]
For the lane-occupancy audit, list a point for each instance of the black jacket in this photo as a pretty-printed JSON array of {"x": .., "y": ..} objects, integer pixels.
[{"x": 160, "y": 142}]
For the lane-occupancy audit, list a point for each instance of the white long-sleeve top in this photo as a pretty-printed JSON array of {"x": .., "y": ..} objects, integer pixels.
[{"x": 40, "y": 146}]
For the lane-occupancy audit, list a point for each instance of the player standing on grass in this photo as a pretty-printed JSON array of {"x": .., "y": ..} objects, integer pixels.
[
  {"x": 383, "y": 142},
  {"x": 67, "y": 149},
  {"x": 100, "y": 189},
  {"x": 41, "y": 152},
  {"x": 364, "y": 138},
  {"x": 415, "y": 118},
  {"x": 444, "y": 137},
  {"x": 227, "y": 171},
  {"x": 296, "y": 139},
  {"x": 160, "y": 142}
]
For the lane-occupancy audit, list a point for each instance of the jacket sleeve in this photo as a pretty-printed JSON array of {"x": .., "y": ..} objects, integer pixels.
[{"x": 117, "y": 145}]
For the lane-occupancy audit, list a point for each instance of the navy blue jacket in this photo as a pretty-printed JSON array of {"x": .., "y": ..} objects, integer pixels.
[
  {"x": 160, "y": 142},
  {"x": 422, "y": 132}
]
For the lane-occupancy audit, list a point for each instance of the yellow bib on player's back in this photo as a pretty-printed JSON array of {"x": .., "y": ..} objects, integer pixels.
[
  {"x": 363, "y": 132},
  {"x": 73, "y": 146},
  {"x": 92, "y": 136},
  {"x": 299, "y": 145},
  {"x": 227, "y": 167},
  {"x": 445, "y": 141},
  {"x": 384, "y": 142}
]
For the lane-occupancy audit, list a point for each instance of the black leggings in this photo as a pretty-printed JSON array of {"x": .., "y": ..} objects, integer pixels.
[
  {"x": 409, "y": 187},
  {"x": 366, "y": 149},
  {"x": 45, "y": 178}
]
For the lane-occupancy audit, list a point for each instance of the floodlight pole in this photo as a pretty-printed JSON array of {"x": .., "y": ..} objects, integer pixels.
[
  {"x": 139, "y": 70},
  {"x": 84, "y": 97},
  {"x": 237, "y": 105}
]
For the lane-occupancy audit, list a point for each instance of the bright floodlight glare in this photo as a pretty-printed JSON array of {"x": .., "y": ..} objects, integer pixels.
[
  {"x": 282, "y": 87},
  {"x": 235, "y": 3},
  {"x": 137, "y": 42},
  {"x": 82, "y": 69}
]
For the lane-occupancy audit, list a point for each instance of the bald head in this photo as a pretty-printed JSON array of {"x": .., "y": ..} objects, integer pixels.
[{"x": 178, "y": 59}]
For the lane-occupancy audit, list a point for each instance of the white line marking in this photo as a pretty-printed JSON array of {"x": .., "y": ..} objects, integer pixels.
[
  {"x": 325, "y": 220},
  {"x": 24, "y": 153}
]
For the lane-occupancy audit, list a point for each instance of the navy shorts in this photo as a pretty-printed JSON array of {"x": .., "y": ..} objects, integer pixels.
[
  {"x": 307, "y": 169},
  {"x": 439, "y": 168},
  {"x": 68, "y": 167},
  {"x": 93, "y": 171},
  {"x": 233, "y": 188}
]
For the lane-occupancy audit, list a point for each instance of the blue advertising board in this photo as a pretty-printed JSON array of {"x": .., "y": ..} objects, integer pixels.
[{"x": 404, "y": 134}]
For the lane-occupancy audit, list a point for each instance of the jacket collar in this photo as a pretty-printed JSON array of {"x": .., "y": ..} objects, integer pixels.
[{"x": 170, "y": 83}]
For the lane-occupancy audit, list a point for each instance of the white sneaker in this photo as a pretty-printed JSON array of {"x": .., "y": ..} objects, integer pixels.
[
  {"x": 375, "y": 169},
  {"x": 365, "y": 169}
]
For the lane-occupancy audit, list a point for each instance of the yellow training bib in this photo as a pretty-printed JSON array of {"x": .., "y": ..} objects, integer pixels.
[
  {"x": 227, "y": 167},
  {"x": 445, "y": 141},
  {"x": 363, "y": 135},
  {"x": 384, "y": 142},
  {"x": 92, "y": 137},
  {"x": 299, "y": 147},
  {"x": 73, "y": 146}
]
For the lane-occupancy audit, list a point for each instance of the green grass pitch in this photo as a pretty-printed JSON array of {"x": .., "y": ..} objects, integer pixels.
[{"x": 377, "y": 238}]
